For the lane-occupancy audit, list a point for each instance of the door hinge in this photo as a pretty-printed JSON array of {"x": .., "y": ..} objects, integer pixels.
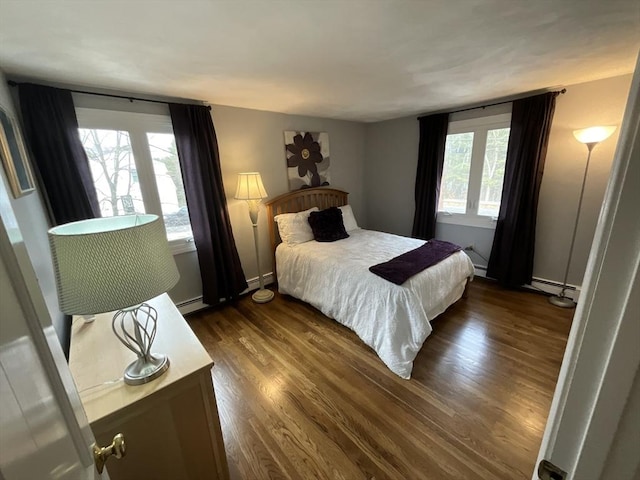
[{"x": 548, "y": 471}]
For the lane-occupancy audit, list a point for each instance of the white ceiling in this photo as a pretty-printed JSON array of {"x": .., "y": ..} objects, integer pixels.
[{"x": 363, "y": 60}]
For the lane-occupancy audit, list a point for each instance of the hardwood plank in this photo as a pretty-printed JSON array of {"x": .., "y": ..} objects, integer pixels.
[{"x": 302, "y": 397}]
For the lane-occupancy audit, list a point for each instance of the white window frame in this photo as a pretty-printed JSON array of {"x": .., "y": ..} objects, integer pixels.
[
  {"x": 138, "y": 125},
  {"x": 479, "y": 126}
]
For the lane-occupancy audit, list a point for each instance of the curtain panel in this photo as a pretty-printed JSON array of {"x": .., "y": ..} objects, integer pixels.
[
  {"x": 197, "y": 145},
  {"x": 433, "y": 137},
  {"x": 511, "y": 260},
  {"x": 60, "y": 161}
]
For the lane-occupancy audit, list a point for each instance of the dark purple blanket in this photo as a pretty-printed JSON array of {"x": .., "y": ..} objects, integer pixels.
[{"x": 399, "y": 269}]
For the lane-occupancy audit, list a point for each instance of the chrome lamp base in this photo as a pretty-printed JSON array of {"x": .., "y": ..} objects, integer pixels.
[
  {"x": 136, "y": 328},
  {"x": 143, "y": 370},
  {"x": 262, "y": 295},
  {"x": 561, "y": 301}
]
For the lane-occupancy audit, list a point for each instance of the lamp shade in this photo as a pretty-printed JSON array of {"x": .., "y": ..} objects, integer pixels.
[
  {"x": 250, "y": 187},
  {"x": 107, "y": 264},
  {"x": 594, "y": 134}
]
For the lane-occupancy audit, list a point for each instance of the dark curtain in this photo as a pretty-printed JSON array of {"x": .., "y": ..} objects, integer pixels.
[
  {"x": 51, "y": 132},
  {"x": 511, "y": 260},
  {"x": 220, "y": 268},
  {"x": 433, "y": 136},
  {"x": 60, "y": 162}
]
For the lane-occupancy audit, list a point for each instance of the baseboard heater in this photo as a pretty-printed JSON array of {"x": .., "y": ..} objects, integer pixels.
[
  {"x": 554, "y": 288},
  {"x": 192, "y": 305},
  {"x": 540, "y": 284},
  {"x": 480, "y": 271},
  {"x": 196, "y": 303}
]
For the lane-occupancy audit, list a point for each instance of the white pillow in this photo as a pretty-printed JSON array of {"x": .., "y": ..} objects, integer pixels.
[
  {"x": 294, "y": 228},
  {"x": 348, "y": 219}
]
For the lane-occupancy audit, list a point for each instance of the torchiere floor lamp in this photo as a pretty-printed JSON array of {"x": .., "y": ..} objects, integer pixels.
[{"x": 591, "y": 137}]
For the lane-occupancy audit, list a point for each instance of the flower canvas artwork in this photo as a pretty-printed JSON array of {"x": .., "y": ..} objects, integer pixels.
[{"x": 307, "y": 159}]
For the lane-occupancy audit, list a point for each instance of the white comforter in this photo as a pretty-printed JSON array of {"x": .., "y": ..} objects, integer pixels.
[{"x": 391, "y": 319}]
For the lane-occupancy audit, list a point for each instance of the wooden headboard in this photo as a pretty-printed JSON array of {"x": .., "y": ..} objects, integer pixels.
[{"x": 300, "y": 200}]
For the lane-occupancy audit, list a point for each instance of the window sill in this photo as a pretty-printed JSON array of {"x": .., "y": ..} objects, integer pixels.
[
  {"x": 182, "y": 246},
  {"x": 477, "y": 221}
]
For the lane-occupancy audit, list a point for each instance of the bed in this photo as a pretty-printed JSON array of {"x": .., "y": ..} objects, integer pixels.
[{"x": 394, "y": 320}]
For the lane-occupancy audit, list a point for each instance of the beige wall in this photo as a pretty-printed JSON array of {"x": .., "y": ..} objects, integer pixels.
[{"x": 392, "y": 150}]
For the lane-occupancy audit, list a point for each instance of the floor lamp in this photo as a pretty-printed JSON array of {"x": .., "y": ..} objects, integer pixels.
[
  {"x": 590, "y": 137},
  {"x": 251, "y": 189}
]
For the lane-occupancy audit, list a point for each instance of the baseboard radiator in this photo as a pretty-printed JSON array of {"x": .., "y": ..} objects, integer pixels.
[
  {"x": 540, "y": 284},
  {"x": 553, "y": 288},
  {"x": 195, "y": 304}
]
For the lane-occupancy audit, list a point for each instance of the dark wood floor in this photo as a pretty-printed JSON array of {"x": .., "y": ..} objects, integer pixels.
[{"x": 301, "y": 397}]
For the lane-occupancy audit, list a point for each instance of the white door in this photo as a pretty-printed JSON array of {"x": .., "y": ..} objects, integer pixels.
[
  {"x": 593, "y": 430},
  {"x": 44, "y": 433}
]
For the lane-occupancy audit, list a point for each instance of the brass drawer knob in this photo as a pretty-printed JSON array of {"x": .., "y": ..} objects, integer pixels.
[{"x": 117, "y": 449}]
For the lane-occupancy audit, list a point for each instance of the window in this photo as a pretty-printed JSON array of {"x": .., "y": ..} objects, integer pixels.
[
  {"x": 473, "y": 171},
  {"x": 135, "y": 168}
]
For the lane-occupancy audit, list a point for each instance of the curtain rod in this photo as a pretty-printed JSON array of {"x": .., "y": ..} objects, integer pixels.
[
  {"x": 131, "y": 99},
  {"x": 560, "y": 92}
]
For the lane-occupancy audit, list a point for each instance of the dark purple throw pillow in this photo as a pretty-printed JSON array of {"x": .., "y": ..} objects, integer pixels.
[{"x": 327, "y": 225}]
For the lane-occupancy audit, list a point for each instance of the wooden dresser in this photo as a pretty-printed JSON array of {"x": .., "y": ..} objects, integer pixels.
[{"x": 171, "y": 425}]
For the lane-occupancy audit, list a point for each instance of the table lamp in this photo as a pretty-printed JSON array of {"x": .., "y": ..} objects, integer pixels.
[
  {"x": 251, "y": 189},
  {"x": 117, "y": 264}
]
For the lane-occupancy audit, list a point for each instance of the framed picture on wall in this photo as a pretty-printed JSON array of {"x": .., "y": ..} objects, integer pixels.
[
  {"x": 308, "y": 159},
  {"x": 14, "y": 156}
]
